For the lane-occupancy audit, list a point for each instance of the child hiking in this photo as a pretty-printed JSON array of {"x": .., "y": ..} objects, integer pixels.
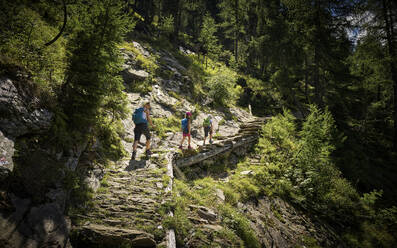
[
  {"x": 141, "y": 118},
  {"x": 186, "y": 124},
  {"x": 208, "y": 128}
]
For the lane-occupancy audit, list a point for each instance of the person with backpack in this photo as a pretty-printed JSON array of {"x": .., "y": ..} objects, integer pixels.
[
  {"x": 141, "y": 118},
  {"x": 186, "y": 127},
  {"x": 208, "y": 128}
]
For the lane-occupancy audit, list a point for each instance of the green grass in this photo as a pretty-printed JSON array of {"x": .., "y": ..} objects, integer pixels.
[
  {"x": 104, "y": 181},
  {"x": 175, "y": 95},
  {"x": 166, "y": 180},
  {"x": 164, "y": 125},
  {"x": 236, "y": 227},
  {"x": 310, "y": 242},
  {"x": 148, "y": 63}
]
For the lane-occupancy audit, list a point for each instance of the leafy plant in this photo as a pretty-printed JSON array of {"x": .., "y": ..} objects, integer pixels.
[{"x": 222, "y": 87}]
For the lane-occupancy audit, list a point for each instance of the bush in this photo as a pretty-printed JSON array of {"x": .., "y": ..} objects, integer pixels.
[
  {"x": 166, "y": 25},
  {"x": 222, "y": 87},
  {"x": 238, "y": 222},
  {"x": 24, "y": 33},
  {"x": 299, "y": 164}
]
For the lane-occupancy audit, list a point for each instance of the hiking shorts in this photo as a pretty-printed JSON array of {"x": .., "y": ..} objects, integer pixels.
[
  {"x": 186, "y": 133},
  {"x": 207, "y": 130},
  {"x": 140, "y": 129}
]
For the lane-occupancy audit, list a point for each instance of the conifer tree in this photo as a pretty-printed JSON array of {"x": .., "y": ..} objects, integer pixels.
[
  {"x": 207, "y": 36},
  {"x": 233, "y": 14},
  {"x": 93, "y": 87}
]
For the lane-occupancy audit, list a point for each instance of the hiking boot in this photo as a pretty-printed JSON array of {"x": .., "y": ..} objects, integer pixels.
[
  {"x": 148, "y": 153},
  {"x": 181, "y": 147},
  {"x": 211, "y": 142},
  {"x": 189, "y": 147},
  {"x": 133, "y": 155}
]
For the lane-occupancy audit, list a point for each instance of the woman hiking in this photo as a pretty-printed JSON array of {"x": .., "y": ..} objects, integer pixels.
[{"x": 186, "y": 127}]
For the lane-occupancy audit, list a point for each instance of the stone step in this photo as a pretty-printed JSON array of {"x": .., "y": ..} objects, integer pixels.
[{"x": 108, "y": 236}]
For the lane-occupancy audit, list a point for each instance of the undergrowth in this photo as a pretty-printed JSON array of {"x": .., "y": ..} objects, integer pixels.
[{"x": 295, "y": 164}]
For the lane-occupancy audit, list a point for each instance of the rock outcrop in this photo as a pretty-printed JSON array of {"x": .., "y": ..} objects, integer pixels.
[
  {"x": 130, "y": 75},
  {"x": 23, "y": 223},
  {"x": 20, "y": 114},
  {"x": 20, "y": 111},
  {"x": 6, "y": 153},
  {"x": 278, "y": 224}
]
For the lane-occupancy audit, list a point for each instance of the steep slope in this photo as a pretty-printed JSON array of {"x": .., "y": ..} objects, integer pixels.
[
  {"x": 138, "y": 202},
  {"x": 134, "y": 203},
  {"x": 127, "y": 209}
]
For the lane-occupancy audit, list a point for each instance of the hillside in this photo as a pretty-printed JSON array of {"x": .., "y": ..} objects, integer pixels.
[
  {"x": 132, "y": 198},
  {"x": 299, "y": 97}
]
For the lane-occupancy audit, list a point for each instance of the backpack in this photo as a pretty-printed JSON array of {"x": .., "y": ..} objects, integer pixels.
[
  {"x": 137, "y": 117},
  {"x": 207, "y": 122},
  {"x": 185, "y": 125}
]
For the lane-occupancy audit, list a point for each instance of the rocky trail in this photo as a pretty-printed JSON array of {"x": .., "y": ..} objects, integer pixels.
[
  {"x": 128, "y": 205},
  {"x": 130, "y": 195},
  {"x": 127, "y": 208}
]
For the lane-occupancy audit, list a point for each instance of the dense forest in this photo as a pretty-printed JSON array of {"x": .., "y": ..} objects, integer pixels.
[{"x": 325, "y": 70}]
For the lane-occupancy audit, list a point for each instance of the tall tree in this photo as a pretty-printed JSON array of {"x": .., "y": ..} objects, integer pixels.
[
  {"x": 233, "y": 14},
  {"x": 207, "y": 36},
  {"x": 93, "y": 87},
  {"x": 389, "y": 16},
  {"x": 379, "y": 20}
]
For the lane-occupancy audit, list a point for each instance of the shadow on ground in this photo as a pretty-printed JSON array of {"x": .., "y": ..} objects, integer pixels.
[{"x": 136, "y": 164}]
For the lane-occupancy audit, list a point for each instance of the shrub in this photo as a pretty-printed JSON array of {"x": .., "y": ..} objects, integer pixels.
[
  {"x": 148, "y": 63},
  {"x": 299, "y": 164},
  {"x": 166, "y": 25},
  {"x": 322, "y": 180},
  {"x": 24, "y": 33},
  {"x": 238, "y": 222},
  {"x": 222, "y": 87}
]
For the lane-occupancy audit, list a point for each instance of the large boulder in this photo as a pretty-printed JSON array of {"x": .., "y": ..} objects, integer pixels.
[
  {"x": 20, "y": 114},
  {"x": 20, "y": 111},
  {"x": 131, "y": 75}
]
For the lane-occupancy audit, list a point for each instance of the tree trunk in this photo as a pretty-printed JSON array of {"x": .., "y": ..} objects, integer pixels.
[
  {"x": 306, "y": 80},
  {"x": 387, "y": 13},
  {"x": 236, "y": 32},
  {"x": 316, "y": 78},
  {"x": 317, "y": 82},
  {"x": 177, "y": 20}
]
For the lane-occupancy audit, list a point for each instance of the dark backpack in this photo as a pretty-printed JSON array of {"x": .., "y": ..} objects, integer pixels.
[{"x": 137, "y": 117}]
